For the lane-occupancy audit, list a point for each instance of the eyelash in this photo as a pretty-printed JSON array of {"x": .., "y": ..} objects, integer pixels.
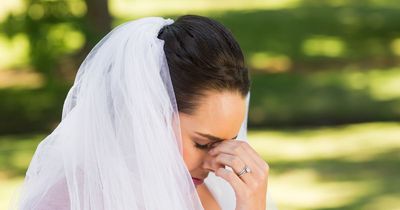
[
  {"x": 204, "y": 146},
  {"x": 201, "y": 146}
]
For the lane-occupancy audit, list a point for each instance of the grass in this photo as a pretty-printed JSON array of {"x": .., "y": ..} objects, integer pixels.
[
  {"x": 325, "y": 97},
  {"x": 345, "y": 167},
  {"x": 15, "y": 154}
]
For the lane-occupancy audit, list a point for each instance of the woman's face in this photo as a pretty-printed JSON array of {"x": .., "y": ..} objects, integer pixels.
[{"x": 218, "y": 118}]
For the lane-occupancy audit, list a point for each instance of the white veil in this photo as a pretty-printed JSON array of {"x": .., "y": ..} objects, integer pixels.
[{"x": 118, "y": 145}]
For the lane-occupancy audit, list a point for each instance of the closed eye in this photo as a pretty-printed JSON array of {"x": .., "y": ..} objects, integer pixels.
[
  {"x": 201, "y": 146},
  {"x": 205, "y": 146}
]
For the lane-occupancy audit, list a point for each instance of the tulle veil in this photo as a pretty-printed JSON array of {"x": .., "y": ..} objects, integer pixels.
[{"x": 118, "y": 145}]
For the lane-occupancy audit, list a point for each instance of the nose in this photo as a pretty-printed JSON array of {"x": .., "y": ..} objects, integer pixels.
[
  {"x": 207, "y": 163},
  {"x": 210, "y": 164}
]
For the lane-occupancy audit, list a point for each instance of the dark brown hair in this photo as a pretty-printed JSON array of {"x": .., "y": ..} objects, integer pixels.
[{"x": 202, "y": 55}]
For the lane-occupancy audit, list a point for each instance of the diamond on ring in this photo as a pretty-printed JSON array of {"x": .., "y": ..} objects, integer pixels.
[{"x": 245, "y": 169}]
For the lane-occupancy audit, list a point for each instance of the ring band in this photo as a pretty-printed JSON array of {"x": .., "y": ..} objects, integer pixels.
[{"x": 245, "y": 169}]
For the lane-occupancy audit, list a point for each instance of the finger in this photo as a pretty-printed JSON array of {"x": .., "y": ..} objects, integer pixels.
[
  {"x": 235, "y": 148},
  {"x": 252, "y": 152},
  {"x": 238, "y": 148},
  {"x": 237, "y": 184},
  {"x": 232, "y": 148},
  {"x": 235, "y": 163},
  {"x": 214, "y": 165},
  {"x": 261, "y": 163}
]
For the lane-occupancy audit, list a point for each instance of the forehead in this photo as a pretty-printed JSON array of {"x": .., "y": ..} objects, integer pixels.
[{"x": 219, "y": 114}]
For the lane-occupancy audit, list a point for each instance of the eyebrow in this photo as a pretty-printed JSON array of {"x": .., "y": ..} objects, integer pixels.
[{"x": 211, "y": 137}]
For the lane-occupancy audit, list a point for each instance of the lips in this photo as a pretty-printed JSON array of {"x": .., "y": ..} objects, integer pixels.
[{"x": 197, "y": 181}]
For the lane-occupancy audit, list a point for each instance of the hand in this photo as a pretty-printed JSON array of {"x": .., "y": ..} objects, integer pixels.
[{"x": 250, "y": 188}]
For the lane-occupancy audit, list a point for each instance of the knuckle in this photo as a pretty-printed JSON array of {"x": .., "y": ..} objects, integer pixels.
[
  {"x": 266, "y": 168},
  {"x": 218, "y": 158},
  {"x": 218, "y": 172},
  {"x": 241, "y": 143},
  {"x": 253, "y": 185},
  {"x": 236, "y": 161},
  {"x": 230, "y": 176},
  {"x": 237, "y": 149}
]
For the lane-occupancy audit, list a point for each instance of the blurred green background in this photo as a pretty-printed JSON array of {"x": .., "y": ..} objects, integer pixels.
[{"x": 325, "y": 103}]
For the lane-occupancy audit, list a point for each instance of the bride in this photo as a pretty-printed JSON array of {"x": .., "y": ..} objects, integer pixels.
[{"x": 156, "y": 119}]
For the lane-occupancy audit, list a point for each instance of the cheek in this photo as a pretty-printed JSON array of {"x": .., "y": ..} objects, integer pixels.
[{"x": 191, "y": 155}]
